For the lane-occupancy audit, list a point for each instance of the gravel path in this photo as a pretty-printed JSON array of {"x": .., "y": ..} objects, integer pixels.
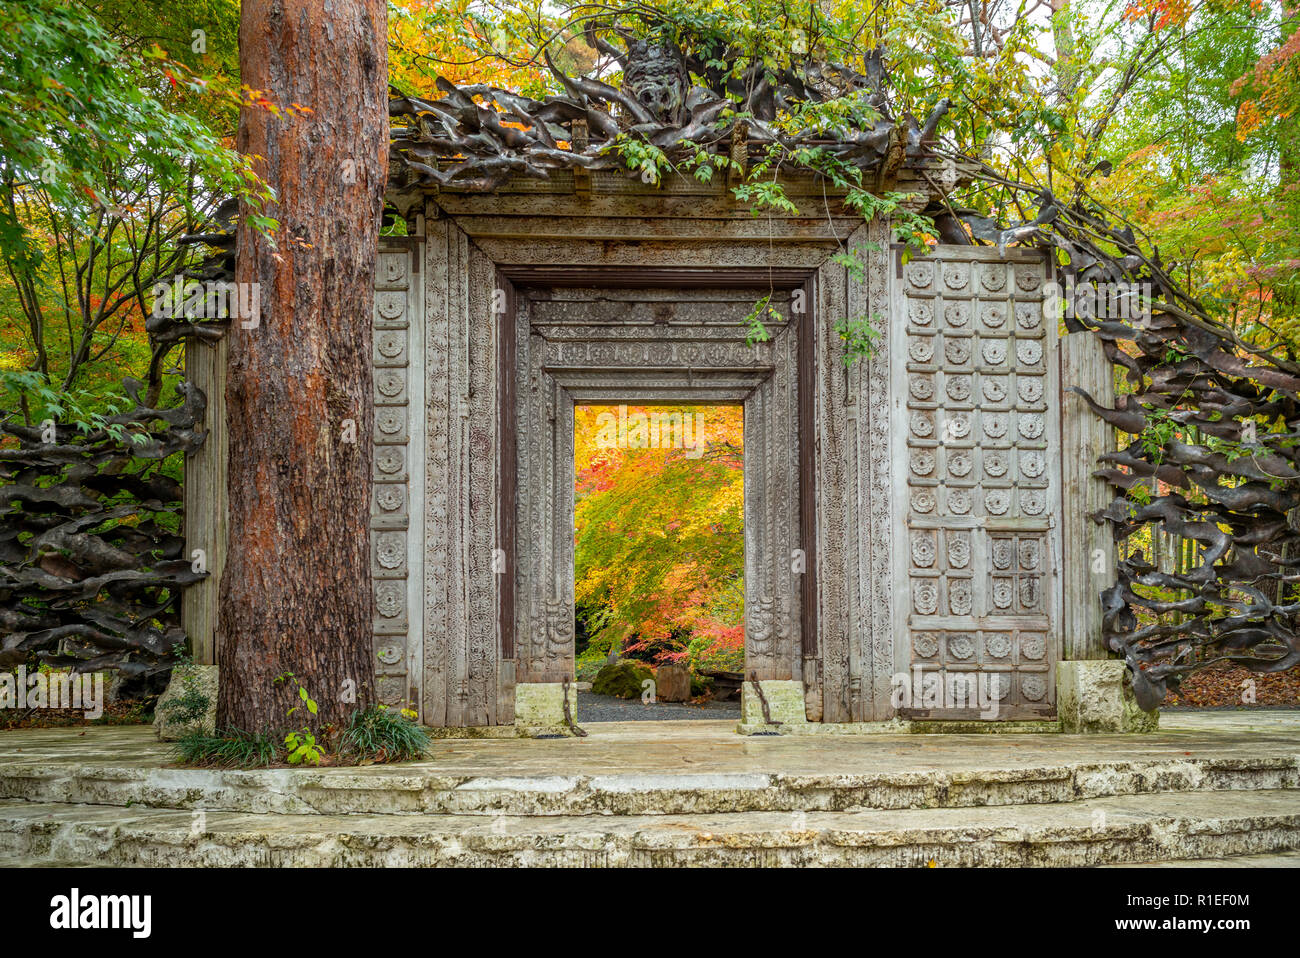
[{"x": 608, "y": 708}]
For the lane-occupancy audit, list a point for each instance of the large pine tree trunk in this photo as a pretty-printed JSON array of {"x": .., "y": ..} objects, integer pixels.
[{"x": 295, "y": 592}]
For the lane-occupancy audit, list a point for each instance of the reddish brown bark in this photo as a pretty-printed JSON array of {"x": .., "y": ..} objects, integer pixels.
[{"x": 295, "y": 592}]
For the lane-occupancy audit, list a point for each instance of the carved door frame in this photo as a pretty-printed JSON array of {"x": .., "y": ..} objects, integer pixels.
[
  {"x": 446, "y": 303},
  {"x": 550, "y": 365}
]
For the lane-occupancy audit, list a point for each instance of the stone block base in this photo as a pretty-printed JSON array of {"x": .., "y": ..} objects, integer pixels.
[
  {"x": 770, "y": 705},
  {"x": 187, "y": 681},
  {"x": 1095, "y": 697},
  {"x": 541, "y": 705}
]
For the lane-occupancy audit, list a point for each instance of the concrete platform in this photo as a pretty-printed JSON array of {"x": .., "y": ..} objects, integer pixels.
[{"x": 1207, "y": 786}]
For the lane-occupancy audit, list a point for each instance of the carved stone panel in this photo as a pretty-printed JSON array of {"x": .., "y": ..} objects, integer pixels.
[{"x": 982, "y": 485}]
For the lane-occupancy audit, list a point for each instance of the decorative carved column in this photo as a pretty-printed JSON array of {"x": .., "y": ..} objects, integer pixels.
[
  {"x": 396, "y": 445},
  {"x": 460, "y": 642}
]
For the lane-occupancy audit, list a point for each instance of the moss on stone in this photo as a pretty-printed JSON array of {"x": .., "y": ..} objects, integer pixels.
[{"x": 622, "y": 679}]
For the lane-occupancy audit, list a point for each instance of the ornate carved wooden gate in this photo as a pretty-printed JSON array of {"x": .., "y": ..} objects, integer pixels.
[
  {"x": 922, "y": 486},
  {"x": 623, "y": 342},
  {"x": 982, "y": 483}
]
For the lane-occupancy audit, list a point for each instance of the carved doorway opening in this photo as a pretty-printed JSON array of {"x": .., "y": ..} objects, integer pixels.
[
  {"x": 659, "y": 543},
  {"x": 591, "y": 338}
]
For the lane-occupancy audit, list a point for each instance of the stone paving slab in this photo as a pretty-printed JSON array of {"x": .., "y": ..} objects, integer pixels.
[
  {"x": 673, "y": 768},
  {"x": 713, "y": 746},
  {"x": 1169, "y": 826}
]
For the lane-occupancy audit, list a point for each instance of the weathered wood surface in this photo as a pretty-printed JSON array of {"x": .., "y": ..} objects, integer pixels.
[
  {"x": 812, "y": 228},
  {"x": 206, "y": 499},
  {"x": 854, "y": 495},
  {"x": 575, "y": 345},
  {"x": 91, "y": 575},
  {"x": 977, "y": 477},
  {"x": 1088, "y": 546},
  {"x": 741, "y": 254},
  {"x": 396, "y": 516}
]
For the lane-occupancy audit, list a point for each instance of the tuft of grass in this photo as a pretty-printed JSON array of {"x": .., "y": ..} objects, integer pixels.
[
  {"x": 377, "y": 733},
  {"x": 230, "y": 749}
]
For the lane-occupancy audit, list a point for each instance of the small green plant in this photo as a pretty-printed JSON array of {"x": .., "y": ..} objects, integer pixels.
[
  {"x": 191, "y": 705},
  {"x": 300, "y": 744},
  {"x": 1161, "y": 428},
  {"x": 377, "y": 733},
  {"x": 756, "y": 330},
  {"x": 1140, "y": 494},
  {"x": 859, "y": 337},
  {"x": 230, "y": 749},
  {"x": 646, "y": 158},
  {"x": 853, "y": 261},
  {"x": 703, "y": 164}
]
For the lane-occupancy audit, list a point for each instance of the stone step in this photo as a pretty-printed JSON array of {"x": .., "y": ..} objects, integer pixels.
[
  {"x": 1289, "y": 859},
  {"x": 1137, "y": 828},
  {"x": 423, "y": 789}
]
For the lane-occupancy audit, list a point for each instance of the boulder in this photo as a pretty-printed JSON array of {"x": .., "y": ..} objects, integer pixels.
[
  {"x": 189, "y": 703},
  {"x": 623, "y": 679}
]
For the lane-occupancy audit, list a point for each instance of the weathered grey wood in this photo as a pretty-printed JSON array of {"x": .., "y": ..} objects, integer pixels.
[
  {"x": 571, "y": 347},
  {"x": 397, "y": 451},
  {"x": 704, "y": 254},
  {"x": 480, "y": 481},
  {"x": 653, "y": 206},
  {"x": 1089, "y": 549},
  {"x": 834, "y": 508},
  {"x": 206, "y": 497},
  {"x": 977, "y": 477},
  {"x": 813, "y": 228},
  {"x": 596, "y": 339},
  {"x": 458, "y": 539},
  {"x": 874, "y": 485}
]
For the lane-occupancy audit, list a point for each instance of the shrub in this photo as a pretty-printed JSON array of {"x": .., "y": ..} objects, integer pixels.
[
  {"x": 379, "y": 734},
  {"x": 232, "y": 748}
]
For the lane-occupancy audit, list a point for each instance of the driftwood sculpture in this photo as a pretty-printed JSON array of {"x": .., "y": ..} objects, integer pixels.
[
  {"x": 478, "y": 137},
  {"x": 92, "y": 559}
]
